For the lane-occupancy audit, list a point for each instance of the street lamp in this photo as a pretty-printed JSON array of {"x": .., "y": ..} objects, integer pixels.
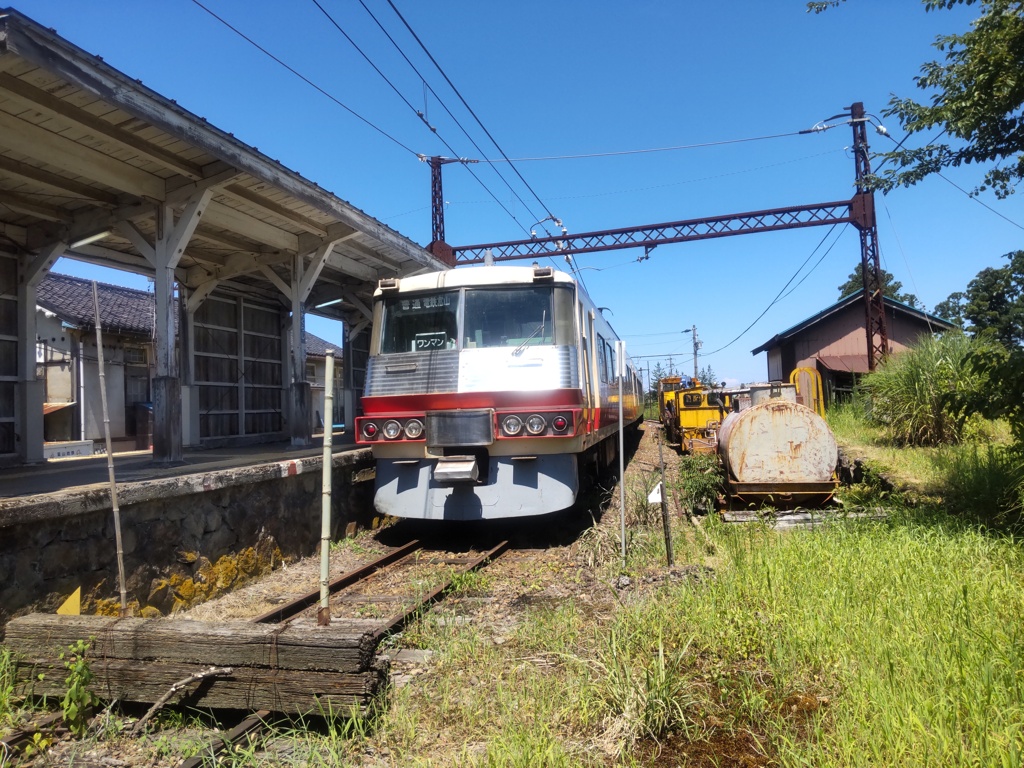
[{"x": 696, "y": 345}]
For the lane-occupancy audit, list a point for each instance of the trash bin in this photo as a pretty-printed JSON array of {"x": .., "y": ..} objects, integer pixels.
[{"x": 143, "y": 426}]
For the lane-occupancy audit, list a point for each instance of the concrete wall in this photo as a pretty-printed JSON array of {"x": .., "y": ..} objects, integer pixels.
[{"x": 176, "y": 534}]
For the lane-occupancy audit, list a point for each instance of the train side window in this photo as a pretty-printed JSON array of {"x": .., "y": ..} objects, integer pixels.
[{"x": 692, "y": 400}]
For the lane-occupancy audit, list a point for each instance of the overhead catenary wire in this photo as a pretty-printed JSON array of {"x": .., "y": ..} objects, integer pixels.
[
  {"x": 428, "y": 87},
  {"x": 466, "y": 105},
  {"x": 419, "y": 113},
  {"x": 305, "y": 79},
  {"x": 619, "y": 153},
  {"x": 778, "y": 297}
]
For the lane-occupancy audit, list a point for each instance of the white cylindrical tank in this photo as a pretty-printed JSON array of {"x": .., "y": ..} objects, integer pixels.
[
  {"x": 778, "y": 441},
  {"x": 759, "y": 393}
]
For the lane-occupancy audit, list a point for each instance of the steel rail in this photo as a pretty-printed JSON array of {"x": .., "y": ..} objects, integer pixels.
[
  {"x": 300, "y": 604},
  {"x": 255, "y": 722},
  {"x": 14, "y": 741},
  {"x": 399, "y": 620}
]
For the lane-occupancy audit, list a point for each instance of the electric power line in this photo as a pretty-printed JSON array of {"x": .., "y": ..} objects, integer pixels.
[{"x": 304, "y": 79}]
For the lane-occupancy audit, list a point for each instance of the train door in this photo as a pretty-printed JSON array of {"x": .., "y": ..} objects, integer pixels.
[{"x": 585, "y": 380}]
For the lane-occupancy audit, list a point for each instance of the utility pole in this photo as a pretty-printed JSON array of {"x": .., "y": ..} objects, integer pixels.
[{"x": 696, "y": 346}]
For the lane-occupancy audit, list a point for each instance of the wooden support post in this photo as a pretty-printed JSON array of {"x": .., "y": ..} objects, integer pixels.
[
  {"x": 32, "y": 391},
  {"x": 171, "y": 240}
]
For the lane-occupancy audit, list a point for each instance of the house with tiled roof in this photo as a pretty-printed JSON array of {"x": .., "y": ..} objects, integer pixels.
[
  {"x": 834, "y": 341},
  {"x": 67, "y": 357}
]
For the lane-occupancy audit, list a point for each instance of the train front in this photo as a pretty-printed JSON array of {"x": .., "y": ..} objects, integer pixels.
[{"x": 473, "y": 405}]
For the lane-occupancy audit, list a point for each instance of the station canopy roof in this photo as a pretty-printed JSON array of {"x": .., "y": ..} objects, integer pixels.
[{"x": 88, "y": 156}]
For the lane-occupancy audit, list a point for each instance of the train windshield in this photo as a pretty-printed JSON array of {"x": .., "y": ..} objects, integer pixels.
[
  {"x": 509, "y": 317},
  {"x": 420, "y": 323},
  {"x": 491, "y": 317}
]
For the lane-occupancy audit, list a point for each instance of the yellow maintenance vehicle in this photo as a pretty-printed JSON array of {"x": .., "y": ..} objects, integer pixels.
[{"x": 692, "y": 413}]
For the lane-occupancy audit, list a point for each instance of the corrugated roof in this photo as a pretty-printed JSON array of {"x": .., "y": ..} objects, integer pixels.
[
  {"x": 851, "y": 363},
  {"x": 122, "y": 310},
  {"x": 843, "y": 303}
]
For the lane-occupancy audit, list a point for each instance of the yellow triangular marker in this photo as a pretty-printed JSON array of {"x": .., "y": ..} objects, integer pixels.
[{"x": 73, "y": 605}]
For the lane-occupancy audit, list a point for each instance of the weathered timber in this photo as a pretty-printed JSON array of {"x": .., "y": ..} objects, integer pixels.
[
  {"x": 344, "y": 646},
  {"x": 279, "y": 690}
]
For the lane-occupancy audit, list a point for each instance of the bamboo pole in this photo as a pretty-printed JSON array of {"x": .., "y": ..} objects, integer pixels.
[
  {"x": 110, "y": 453},
  {"x": 323, "y": 614},
  {"x": 664, "y": 501}
]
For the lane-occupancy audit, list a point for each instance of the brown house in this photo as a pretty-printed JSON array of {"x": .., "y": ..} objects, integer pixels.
[{"x": 834, "y": 341}]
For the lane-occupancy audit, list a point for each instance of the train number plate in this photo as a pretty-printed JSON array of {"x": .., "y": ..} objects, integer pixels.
[{"x": 449, "y": 429}]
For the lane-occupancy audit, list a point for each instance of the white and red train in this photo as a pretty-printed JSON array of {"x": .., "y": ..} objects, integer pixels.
[{"x": 491, "y": 392}]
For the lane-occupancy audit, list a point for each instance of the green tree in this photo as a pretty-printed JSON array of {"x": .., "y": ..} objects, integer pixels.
[
  {"x": 994, "y": 302},
  {"x": 658, "y": 372},
  {"x": 891, "y": 287},
  {"x": 993, "y": 308},
  {"x": 952, "y": 308},
  {"x": 708, "y": 377},
  {"x": 975, "y": 97}
]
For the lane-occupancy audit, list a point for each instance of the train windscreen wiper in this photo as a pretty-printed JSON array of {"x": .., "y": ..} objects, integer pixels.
[{"x": 539, "y": 329}]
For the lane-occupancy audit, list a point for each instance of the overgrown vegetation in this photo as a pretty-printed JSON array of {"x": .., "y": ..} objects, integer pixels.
[
  {"x": 894, "y": 642},
  {"x": 910, "y": 394},
  {"x": 79, "y": 699}
]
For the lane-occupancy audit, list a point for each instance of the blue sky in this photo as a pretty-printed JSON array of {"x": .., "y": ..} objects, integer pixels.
[{"x": 554, "y": 79}]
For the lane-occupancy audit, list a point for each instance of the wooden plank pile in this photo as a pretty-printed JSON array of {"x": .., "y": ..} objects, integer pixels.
[{"x": 294, "y": 668}]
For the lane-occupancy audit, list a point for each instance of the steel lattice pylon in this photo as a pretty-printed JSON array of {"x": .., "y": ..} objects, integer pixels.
[{"x": 859, "y": 211}]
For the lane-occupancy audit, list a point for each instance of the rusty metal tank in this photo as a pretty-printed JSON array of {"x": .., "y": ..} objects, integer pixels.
[{"x": 778, "y": 451}]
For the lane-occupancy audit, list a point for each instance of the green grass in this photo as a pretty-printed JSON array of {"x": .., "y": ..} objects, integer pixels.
[
  {"x": 8, "y": 704},
  {"x": 910, "y": 629},
  {"x": 885, "y": 643}
]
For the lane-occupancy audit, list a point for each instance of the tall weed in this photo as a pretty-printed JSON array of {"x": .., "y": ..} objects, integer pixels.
[
  {"x": 985, "y": 483},
  {"x": 912, "y": 391},
  {"x": 7, "y": 699}
]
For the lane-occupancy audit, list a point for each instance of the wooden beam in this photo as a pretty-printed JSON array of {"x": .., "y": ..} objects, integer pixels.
[
  {"x": 364, "y": 310},
  {"x": 108, "y": 257},
  {"x": 129, "y": 231},
  {"x": 352, "y": 267},
  {"x": 38, "y": 100},
  {"x": 38, "y": 265},
  {"x": 55, "y": 181},
  {"x": 235, "y": 265},
  {"x": 316, "y": 266},
  {"x": 35, "y": 208},
  {"x": 241, "y": 193},
  {"x": 276, "y": 279},
  {"x": 214, "y": 175},
  {"x": 55, "y": 150},
  {"x": 218, "y": 215},
  {"x": 200, "y": 294},
  {"x": 186, "y": 224}
]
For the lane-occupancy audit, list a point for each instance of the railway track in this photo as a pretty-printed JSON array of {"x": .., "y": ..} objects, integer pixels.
[
  {"x": 373, "y": 588},
  {"x": 391, "y": 591}
]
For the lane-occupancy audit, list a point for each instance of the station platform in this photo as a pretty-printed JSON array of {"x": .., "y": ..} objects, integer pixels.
[{"x": 66, "y": 474}]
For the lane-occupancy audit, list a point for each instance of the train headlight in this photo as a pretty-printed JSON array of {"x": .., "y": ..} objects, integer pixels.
[
  {"x": 559, "y": 423},
  {"x": 369, "y": 430},
  {"x": 413, "y": 428},
  {"x": 512, "y": 425},
  {"x": 535, "y": 424},
  {"x": 392, "y": 429}
]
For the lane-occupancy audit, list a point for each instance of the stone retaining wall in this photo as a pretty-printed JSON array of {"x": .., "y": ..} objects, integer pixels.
[{"x": 185, "y": 538}]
